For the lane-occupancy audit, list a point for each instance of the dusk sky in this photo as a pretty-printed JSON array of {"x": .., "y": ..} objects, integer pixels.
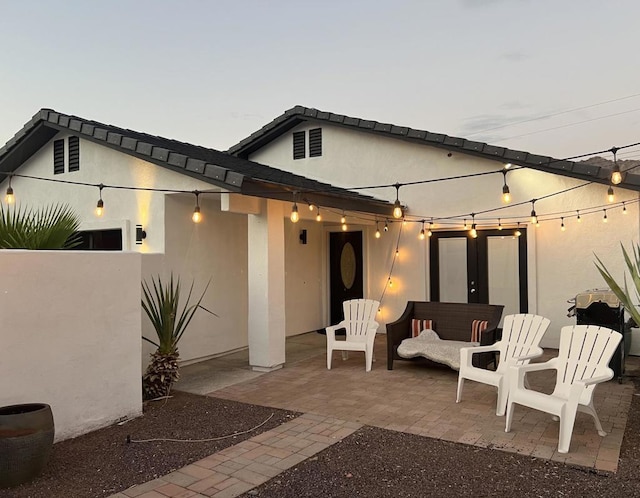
[{"x": 213, "y": 72}]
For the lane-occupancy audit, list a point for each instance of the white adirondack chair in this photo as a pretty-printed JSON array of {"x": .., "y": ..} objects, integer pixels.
[
  {"x": 361, "y": 326},
  {"x": 521, "y": 335},
  {"x": 581, "y": 364}
]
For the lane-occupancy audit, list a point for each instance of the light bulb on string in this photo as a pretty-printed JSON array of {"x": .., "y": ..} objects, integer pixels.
[
  {"x": 100, "y": 203},
  {"x": 605, "y": 219},
  {"x": 311, "y": 207},
  {"x": 421, "y": 236},
  {"x": 378, "y": 235},
  {"x": 343, "y": 219},
  {"x": 344, "y": 227},
  {"x": 624, "y": 209},
  {"x": 295, "y": 216},
  {"x": 473, "y": 232},
  {"x": 465, "y": 226},
  {"x": 386, "y": 226},
  {"x": 398, "y": 212},
  {"x": 318, "y": 217},
  {"x": 390, "y": 282},
  {"x": 616, "y": 175},
  {"x": 562, "y": 227},
  {"x": 430, "y": 232},
  {"x": 506, "y": 195},
  {"x": 534, "y": 216},
  {"x": 196, "y": 217},
  {"x": 517, "y": 233},
  {"x": 499, "y": 224},
  {"x": 578, "y": 219},
  {"x": 10, "y": 198},
  {"x": 610, "y": 196},
  {"x": 397, "y": 252}
]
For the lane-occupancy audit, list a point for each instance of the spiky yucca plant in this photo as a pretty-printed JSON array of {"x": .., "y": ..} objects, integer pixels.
[
  {"x": 49, "y": 227},
  {"x": 627, "y": 299},
  {"x": 161, "y": 302}
]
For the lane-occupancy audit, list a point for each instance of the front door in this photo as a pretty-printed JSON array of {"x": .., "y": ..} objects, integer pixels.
[
  {"x": 490, "y": 269},
  {"x": 345, "y": 270}
]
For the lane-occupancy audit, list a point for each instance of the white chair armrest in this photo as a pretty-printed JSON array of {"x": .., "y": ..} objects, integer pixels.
[
  {"x": 596, "y": 380},
  {"x": 534, "y": 354},
  {"x": 331, "y": 330},
  {"x": 466, "y": 353}
]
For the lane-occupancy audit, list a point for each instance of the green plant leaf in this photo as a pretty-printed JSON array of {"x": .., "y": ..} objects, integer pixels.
[{"x": 49, "y": 227}]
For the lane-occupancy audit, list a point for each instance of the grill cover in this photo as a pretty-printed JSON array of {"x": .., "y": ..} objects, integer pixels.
[{"x": 585, "y": 299}]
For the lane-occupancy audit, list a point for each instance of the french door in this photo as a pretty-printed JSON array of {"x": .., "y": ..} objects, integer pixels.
[{"x": 490, "y": 269}]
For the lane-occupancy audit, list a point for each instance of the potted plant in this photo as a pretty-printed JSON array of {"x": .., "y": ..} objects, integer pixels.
[{"x": 161, "y": 303}]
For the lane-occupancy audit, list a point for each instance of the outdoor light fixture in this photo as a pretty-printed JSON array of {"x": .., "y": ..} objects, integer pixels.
[
  {"x": 534, "y": 217},
  {"x": 311, "y": 206},
  {"x": 465, "y": 227},
  {"x": 624, "y": 209},
  {"x": 506, "y": 195},
  {"x": 517, "y": 233},
  {"x": 377, "y": 231},
  {"x": 386, "y": 226},
  {"x": 10, "y": 198},
  {"x": 100, "y": 203},
  {"x": 578, "y": 219},
  {"x": 610, "y": 196},
  {"x": 616, "y": 175},
  {"x": 474, "y": 232},
  {"x": 295, "y": 216},
  {"x": 562, "y": 227},
  {"x": 318, "y": 217},
  {"x": 421, "y": 236},
  {"x": 343, "y": 220},
  {"x": 430, "y": 232},
  {"x": 605, "y": 219},
  {"x": 140, "y": 234},
  {"x": 197, "y": 215},
  {"x": 397, "y": 207},
  {"x": 499, "y": 224}
]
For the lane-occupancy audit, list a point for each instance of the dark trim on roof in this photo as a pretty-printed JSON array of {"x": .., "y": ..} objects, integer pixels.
[
  {"x": 217, "y": 168},
  {"x": 300, "y": 114}
]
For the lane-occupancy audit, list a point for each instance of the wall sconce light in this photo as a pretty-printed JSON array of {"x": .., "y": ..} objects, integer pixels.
[
  {"x": 140, "y": 235},
  {"x": 303, "y": 236}
]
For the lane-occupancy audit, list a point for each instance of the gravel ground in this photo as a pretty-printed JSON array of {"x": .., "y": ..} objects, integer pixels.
[{"x": 370, "y": 463}]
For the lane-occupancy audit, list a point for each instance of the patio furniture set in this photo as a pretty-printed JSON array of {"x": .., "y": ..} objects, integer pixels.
[{"x": 466, "y": 337}]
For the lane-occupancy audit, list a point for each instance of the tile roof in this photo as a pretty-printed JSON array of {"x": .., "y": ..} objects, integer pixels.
[
  {"x": 300, "y": 114},
  {"x": 212, "y": 166}
]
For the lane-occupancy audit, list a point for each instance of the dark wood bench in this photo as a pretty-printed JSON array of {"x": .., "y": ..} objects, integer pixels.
[{"x": 452, "y": 321}]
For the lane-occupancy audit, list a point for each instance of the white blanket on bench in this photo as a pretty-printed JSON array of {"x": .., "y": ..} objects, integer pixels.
[{"x": 429, "y": 345}]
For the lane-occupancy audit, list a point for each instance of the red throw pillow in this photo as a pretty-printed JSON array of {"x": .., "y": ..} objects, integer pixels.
[
  {"x": 477, "y": 327},
  {"x": 418, "y": 326}
]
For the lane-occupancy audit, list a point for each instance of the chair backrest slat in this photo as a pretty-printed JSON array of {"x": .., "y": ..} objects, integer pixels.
[
  {"x": 358, "y": 315},
  {"x": 521, "y": 334}
]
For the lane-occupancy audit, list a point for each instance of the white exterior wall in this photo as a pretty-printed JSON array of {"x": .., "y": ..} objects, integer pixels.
[
  {"x": 71, "y": 335},
  {"x": 216, "y": 248},
  {"x": 560, "y": 263}
]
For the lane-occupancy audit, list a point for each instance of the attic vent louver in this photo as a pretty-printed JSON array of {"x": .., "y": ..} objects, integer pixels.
[
  {"x": 315, "y": 142},
  {"x": 299, "y": 145},
  {"x": 74, "y": 153},
  {"x": 58, "y": 157}
]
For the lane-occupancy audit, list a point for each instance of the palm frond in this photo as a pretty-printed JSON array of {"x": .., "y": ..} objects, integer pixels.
[{"x": 50, "y": 227}]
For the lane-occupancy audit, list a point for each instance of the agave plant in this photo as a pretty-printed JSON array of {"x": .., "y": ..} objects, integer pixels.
[
  {"x": 49, "y": 227},
  {"x": 627, "y": 299},
  {"x": 161, "y": 302}
]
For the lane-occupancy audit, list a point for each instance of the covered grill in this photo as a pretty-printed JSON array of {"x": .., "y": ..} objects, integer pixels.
[{"x": 602, "y": 307}]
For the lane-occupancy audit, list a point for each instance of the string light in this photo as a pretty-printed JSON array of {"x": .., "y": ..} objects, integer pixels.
[
  {"x": 343, "y": 220},
  {"x": 295, "y": 216},
  {"x": 534, "y": 216},
  {"x": 616, "y": 175},
  {"x": 318, "y": 217},
  {"x": 390, "y": 282},
  {"x": 386, "y": 226},
  {"x": 610, "y": 196},
  {"x": 474, "y": 232},
  {"x": 100, "y": 203},
  {"x": 344, "y": 227},
  {"x": 579, "y": 220},
  {"x": 196, "y": 217},
  {"x": 430, "y": 233},
  {"x": 517, "y": 233},
  {"x": 311, "y": 207},
  {"x": 605, "y": 219},
  {"x": 624, "y": 209},
  {"x": 465, "y": 226},
  {"x": 421, "y": 236},
  {"x": 397, "y": 207},
  {"x": 562, "y": 227},
  {"x": 499, "y": 224},
  {"x": 506, "y": 195},
  {"x": 10, "y": 198},
  {"x": 377, "y": 231}
]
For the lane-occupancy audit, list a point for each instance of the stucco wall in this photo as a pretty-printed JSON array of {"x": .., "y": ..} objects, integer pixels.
[
  {"x": 71, "y": 335},
  {"x": 560, "y": 263}
]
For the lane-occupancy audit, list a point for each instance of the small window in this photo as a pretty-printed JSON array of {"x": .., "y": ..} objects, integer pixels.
[
  {"x": 315, "y": 142},
  {"x": 74, "y": 153},
  {"x": 299, "y": 145},
  {"x": 58, "y": 157}
]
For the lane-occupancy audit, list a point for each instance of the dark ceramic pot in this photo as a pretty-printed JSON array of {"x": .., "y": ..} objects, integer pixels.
[{"x": 26, "y": 439}]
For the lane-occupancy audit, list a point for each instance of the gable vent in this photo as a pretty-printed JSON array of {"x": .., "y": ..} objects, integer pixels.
[
  {"x": 315, "y": 142},
  {"x": 74, "y": 153},
  {"x": 299, "y": 145},
  {"x": 58, "y": 157}
]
